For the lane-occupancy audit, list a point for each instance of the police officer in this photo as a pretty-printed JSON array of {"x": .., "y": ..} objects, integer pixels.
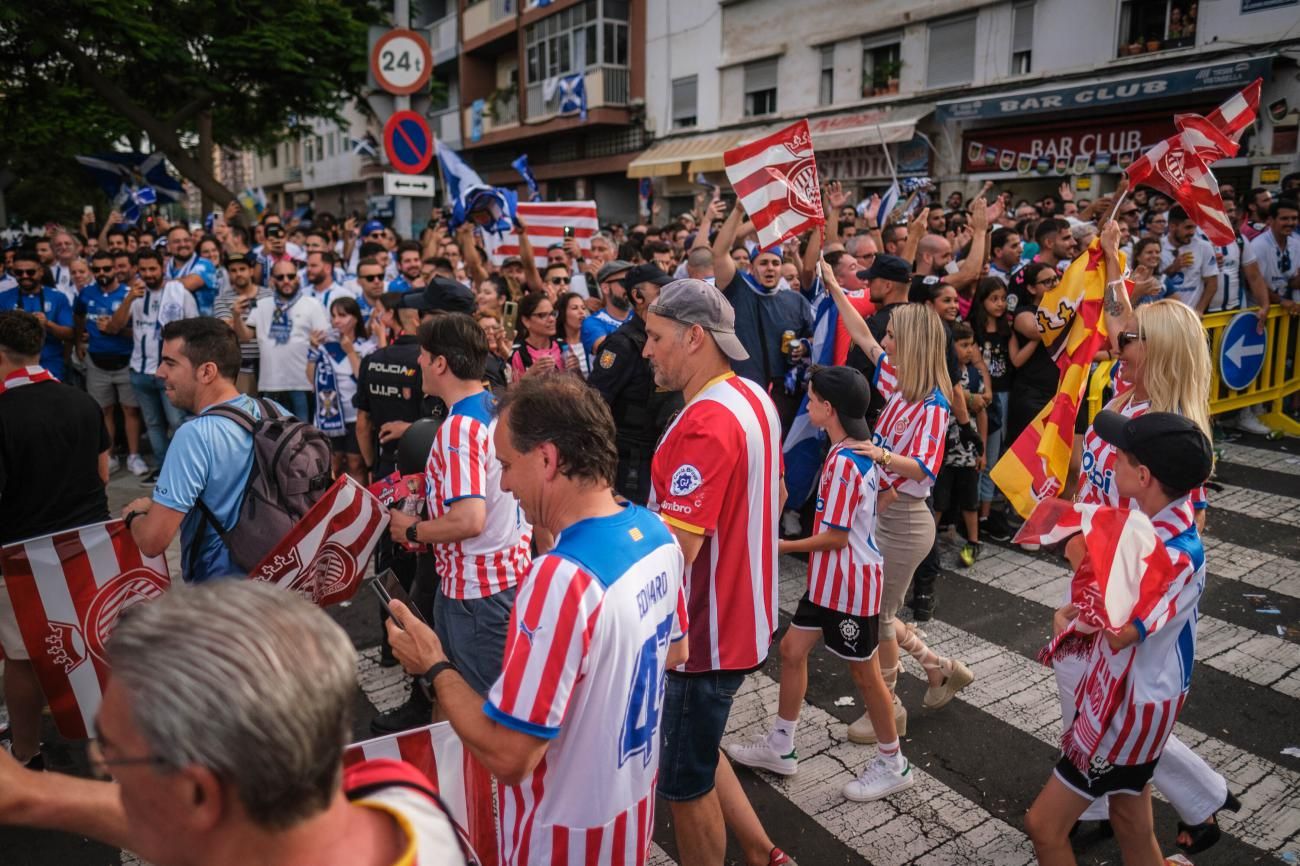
[{"x": 641, "y": 410}]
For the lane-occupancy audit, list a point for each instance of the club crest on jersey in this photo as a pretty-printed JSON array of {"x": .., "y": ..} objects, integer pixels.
[
  {"x": 900, "y": 427},
  {"x": 606, "y": 359},
  {"x": 686, "y": 480}
]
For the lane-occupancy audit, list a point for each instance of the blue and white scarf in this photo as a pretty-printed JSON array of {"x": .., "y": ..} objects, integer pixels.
[
  {"x": 282, "y": 318},
  {"x": 329, "y": 408}
]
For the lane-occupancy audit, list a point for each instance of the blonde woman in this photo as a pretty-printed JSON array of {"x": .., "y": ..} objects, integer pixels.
[
  {"x": 907, "y": 446},
  {"x": 1166, "y": 367}
]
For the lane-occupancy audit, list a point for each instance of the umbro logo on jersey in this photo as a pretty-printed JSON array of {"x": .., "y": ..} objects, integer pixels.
[{"x": 675, "y": 506}]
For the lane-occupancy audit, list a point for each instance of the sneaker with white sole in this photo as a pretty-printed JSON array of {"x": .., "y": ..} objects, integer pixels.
[
  {"x": 1247, "y": 422},
  {"x": 760, "y": 754},
  {"x": 114, "y": 464},
  {"x": 136, "y": 466},
  {"x": 881, "y": 778},
  {"x": 959, "y": 678},
  {"x": 864, "y": 733}
]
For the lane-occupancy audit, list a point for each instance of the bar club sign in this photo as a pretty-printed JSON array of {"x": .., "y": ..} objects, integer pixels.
[{"x": 1066, "y": 148}]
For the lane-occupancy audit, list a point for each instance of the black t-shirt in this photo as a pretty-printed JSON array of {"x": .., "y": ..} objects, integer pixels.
[
  {"x": 618, "y": 372},
  {"x": 51, "y": 436},
  {"x": 997, "y": 357},
  {"x": 388, "y": 389},
  {"x": 877, "y": 322},
  {"x": 1039, "y": 373}
]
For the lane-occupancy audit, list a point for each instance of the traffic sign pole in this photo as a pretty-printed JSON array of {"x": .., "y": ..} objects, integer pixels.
[{"x": 402, "y": 211}]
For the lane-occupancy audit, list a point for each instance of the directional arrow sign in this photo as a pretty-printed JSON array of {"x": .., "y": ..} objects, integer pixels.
[
  {"x": 415, "y": 185},
  {"x": 1241, "y": 355}
]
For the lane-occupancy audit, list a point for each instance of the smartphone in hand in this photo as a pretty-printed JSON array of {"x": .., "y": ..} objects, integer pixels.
[{"x": 388, "y": 587}]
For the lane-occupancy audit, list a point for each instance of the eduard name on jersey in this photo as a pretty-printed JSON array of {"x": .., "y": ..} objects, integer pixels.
[{"x": 655, "y": 590}]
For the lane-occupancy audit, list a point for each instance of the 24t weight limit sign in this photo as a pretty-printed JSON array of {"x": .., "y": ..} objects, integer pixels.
[{"x": 400, "y": 62}]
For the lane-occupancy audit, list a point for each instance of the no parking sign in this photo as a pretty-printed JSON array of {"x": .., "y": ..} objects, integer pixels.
[{"x": 408, "y": 142}]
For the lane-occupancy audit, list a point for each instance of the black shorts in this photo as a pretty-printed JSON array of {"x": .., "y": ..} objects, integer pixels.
[
  {"x": 957, "y": 487},
  {"x": 1103, "y": 778},
  {"x": 347, "y": 443},
  {"x": 850, "y": 637}
]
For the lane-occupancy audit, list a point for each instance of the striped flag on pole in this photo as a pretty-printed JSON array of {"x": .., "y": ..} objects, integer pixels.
[
  {"x": 1230, "y": 119},
  {"x": 802, "y": 451},
  {"x": 324, "y": 556},
  {"x": 775, "y": 179},
  {"x": 545, "y": 221},
  {"x": 464, "y": 785},
  {"x": 68, "y": 589},
  {"x": 1070, "y": 319}
]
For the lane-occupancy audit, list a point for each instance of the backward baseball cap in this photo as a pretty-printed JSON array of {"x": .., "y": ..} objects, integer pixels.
[{"x": 695, "y": 302}]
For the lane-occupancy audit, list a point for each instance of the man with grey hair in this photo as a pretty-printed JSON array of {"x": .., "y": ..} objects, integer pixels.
[{"x": 223, "y": 725}]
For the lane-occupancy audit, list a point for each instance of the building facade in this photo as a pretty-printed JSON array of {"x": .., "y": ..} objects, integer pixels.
[{"x": 1026, "y": 93}]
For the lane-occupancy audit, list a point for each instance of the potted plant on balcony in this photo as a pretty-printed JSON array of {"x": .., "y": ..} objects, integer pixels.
[
  {"x": 892, "y": 69},
  {"x": 498, "y": 101}
]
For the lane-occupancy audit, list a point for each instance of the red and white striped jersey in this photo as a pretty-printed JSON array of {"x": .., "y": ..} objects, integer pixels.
[
  {"x": 1161, "y": 673},
  {"x": 717, "y": 473},
  {"x": 915, "y": 430},
  {"x": 463, "y": 464},
  {"x": 1097, "y": 471},
  {"x": 584, "y": 667},
  {"x": 848, "y": 580}
]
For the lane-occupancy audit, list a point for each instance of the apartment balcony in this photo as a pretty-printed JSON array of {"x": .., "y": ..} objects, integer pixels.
[
  {"x": 444, "y": 40},
  {"x": 480, "y": 17},
  {"x": 446, "y": 127},
  {"x": 607, "y": 86},
  {"x": 506, "y": 117}
]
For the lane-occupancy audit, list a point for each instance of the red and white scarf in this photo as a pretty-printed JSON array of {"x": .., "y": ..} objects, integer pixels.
[
  {"x": 1124, "y": 574},
  {"x": 26, "y": 376}
]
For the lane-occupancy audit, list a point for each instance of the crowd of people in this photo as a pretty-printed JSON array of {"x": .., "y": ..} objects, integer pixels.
[{"x": 605, "y": 502}]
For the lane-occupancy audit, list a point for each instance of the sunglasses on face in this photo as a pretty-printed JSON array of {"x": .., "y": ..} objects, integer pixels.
[
  {"x": 25, "y": 272},
  {"x": 558, "y": 281},
  {"x": 370, "y": 278},
  {"x": 1049, "y": 282},
  {"x": 284, "y": 278},
  {"x": 108, "y": 269},
  {"x": 1284, "y": 260},
  {"x": 1127, "y": 337},
  {"x": 551, "y": 315}
]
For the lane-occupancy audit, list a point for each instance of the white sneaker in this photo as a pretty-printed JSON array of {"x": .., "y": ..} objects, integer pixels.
[
  {"x": 881, "y": 778},
  {"x": 759, "y": 753},
  {"x": 113, "y": 464},
  {"x": 790, "y": 523},
  {"x": 136, "y": 466},
  {"x": 864, "y": 733},
  {"x": 1249, "y": 423}
]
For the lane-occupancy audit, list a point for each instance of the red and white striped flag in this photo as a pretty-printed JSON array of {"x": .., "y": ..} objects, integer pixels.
[
  {"x": 324, "y": 556},
  {"x": 545, "y": 221},
  {"x": 68, "y": 589},
  {"x": 775, "y": 179},
  {"x": 463, "y": 784},
  {"x": 1229, "y": 120},
  {"x": 1175, "y": 168}
]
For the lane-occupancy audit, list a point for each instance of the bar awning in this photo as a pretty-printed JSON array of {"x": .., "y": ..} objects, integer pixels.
[
  {"x": 674, "y": 156},
  {"x": 866, "y": 128}
]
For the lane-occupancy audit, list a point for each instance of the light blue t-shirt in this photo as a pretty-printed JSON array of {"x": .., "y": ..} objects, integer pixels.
[
  {"x": 597, "y": 326},
  {"x": 212, "y": 457},
  {"x": 205, "y": 296}
]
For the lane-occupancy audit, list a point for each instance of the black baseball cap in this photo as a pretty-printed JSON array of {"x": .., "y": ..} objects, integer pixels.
[
  {"x": 887, "y": 267},
  {"x": 846, "y": 390},
  {"x": 274, "y": 230},
  {"x": 918, "y": 291},
  {"x": 647, "y": 274},
  {"x": 1174, "y": 449},
  {"x": 440, "y": 295}
]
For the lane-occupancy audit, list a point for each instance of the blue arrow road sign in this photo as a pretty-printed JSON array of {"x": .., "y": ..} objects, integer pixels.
[{"x": 1242, "y": 353}]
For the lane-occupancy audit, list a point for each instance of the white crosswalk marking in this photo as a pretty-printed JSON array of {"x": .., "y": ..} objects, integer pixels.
[
  {"x": 1257, "y": 503},
  {"x": 1255, "y": 568}
]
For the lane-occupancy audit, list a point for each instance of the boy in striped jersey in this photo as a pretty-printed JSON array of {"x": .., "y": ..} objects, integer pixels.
[
  {"x": 479, "y": 536},
  {"x": 842, "y": 603},
  {"x": 1120, "y": 722},
  {"x": 571, "y": 728}
]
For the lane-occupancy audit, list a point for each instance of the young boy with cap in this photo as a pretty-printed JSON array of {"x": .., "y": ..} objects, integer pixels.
[
  {"x": 1139, "y": 674},
  {"x": 842, "y": 604}
]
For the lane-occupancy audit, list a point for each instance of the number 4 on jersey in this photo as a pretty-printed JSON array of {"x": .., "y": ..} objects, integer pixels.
[{"x": 645, "y": 697}]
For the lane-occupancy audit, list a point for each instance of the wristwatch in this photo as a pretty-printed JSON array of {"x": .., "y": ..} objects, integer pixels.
[
  {"x": 132, "y": 516},
  {"x": 411, "y": 533},
  {"x": 431, "y": 674}
]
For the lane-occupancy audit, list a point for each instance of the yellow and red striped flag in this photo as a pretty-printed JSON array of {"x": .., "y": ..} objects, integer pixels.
[{"x": 1070, "y": 319}]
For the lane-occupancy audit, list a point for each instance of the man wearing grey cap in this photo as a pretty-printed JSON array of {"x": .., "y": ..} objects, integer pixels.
[
  {"x": 612, "y": 278},
  {"x": 715, "y": 479}
]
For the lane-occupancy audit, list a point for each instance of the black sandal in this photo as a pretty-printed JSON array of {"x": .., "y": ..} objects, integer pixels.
[{"x": 1208, "y": 833}]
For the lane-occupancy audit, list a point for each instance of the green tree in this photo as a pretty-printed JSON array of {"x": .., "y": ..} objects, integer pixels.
[{"x": 79, "y": 75}]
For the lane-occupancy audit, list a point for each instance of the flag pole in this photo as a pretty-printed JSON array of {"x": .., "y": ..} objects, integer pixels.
[
  {"x": 1123, "y": 193},
  {"x": 889, "y": 160}
]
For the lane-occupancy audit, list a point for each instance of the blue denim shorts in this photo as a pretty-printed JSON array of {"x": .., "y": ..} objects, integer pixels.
[
  {"x": 693, "y": 722},
  {"x": 473, "y": 634}
]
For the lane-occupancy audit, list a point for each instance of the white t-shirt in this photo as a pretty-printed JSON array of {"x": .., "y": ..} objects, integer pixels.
[
  {"x": 283, "y": 365},
  {"x": 148, "y": 316},
  {"x": 1273, "y": 262},
  {"x": 1232, "y": 293},
  {"x": 1185, "y": 285}
]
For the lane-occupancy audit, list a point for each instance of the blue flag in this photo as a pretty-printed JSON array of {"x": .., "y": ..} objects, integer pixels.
[
  {"x": 132, "y": 180},
  {"x": 521, "y": 166},
  {"x": 573, "y": 95},
  {"x": 470, "y": 195},
  {"x": 804, "y": 443}
]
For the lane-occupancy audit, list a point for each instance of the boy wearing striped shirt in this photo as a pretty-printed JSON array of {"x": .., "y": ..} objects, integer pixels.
[{"x": 842, "y": 604}]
